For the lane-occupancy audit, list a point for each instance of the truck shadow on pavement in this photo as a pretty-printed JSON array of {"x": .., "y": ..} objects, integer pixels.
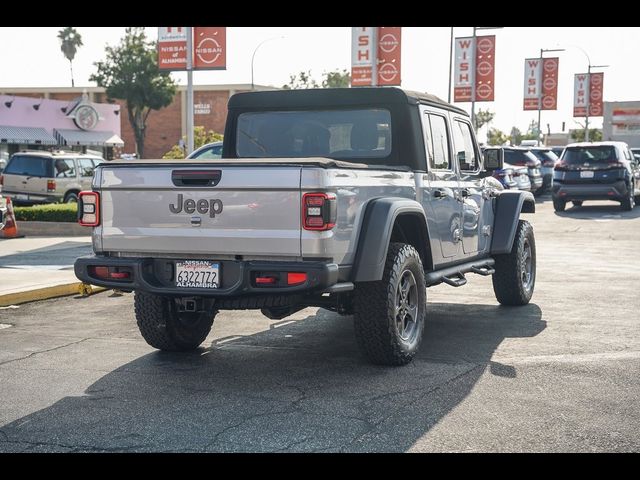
[
  {"x": 599, "y": 212},
  {"x": 299, "y": 386}
]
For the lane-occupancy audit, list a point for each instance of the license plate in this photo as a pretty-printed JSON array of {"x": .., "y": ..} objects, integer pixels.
[
  {"x": 587, "y": 174},
  {"x": 197, "y": 274}
]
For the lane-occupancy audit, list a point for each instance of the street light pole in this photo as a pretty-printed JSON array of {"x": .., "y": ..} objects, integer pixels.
[
  {"x": 450, "y": 63},
  {"x": 542, "y": 50},
  {"x": 589, "y": 67},
  {"x": 254, "y": 55},
  {"x": 190, "y": 141}
]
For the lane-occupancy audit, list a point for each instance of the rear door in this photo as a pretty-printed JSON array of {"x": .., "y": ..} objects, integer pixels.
[
  {"x": 441, "y": 193},
  {"x": 201, "y": 210}
]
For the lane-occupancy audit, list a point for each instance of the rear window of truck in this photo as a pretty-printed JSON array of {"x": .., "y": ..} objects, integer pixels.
[{"x": 339, "y": 134}]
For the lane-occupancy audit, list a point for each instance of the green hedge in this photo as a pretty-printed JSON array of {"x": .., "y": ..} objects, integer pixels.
[{"x": 55, "y": 212}]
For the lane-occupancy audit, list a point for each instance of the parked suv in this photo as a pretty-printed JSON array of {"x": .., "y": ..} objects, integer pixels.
[
  {"x": 596, "y": 171},
  {"x": 521, "y": 157},
  {"x": 549, "y": 160},
  {"x": 47, "y": 177}
]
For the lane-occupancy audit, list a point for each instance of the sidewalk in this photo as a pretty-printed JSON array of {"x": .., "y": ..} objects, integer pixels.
[{"x": 34, "y": 266}]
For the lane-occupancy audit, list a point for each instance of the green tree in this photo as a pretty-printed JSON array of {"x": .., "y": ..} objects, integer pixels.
[
  {"x": 333, "y": 79},
  {"x": 130, "y": 73},
  {"x": 70, "y": 41},
  {"x": 200, "y": 137},
  {"x": 483, "y": 117},
  {"x": 595, "y": 135},
  {"x": 496, "y": 137},
  {"x": 336, "y": 79}
]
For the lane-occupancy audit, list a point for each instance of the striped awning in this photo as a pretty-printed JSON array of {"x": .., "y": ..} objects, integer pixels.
[
  {"x": 26, "y": 135},
  {"x": 81, "y": 137}
]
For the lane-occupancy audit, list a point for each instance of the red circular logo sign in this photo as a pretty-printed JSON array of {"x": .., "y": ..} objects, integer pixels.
[
  {"x": 388, "y": 72},
  {"x": 484, "y": 91},
  {"x": 484, "y": 68},
  {"x": 208, "y": 50},
  {"x": 484, "y": 45},
  {"x": 388, "y": 42},
  {"x": 548, "y": 102},
  {"x": 596, "y": 110},
  {"x": 596, "y": 79},
  {"x": 550, "y": 65},
  {"x": 595, "y": 95},
  {"x": 549, "y": 83}
]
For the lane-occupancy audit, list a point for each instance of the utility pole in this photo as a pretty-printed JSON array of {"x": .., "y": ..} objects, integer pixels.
[
  {"x": 189, "y": 90},
  {"x": 450, "y": 63}
]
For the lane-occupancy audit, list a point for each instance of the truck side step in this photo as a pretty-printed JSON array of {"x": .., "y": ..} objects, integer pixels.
[
  {"x": 454, "y": 275},
  {"x": 455, "y": 281}
]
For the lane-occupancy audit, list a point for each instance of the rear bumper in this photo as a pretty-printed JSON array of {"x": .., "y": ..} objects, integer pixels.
[
  {"x": 590, "y": 191},
  {"x": 237, "y": 277}
]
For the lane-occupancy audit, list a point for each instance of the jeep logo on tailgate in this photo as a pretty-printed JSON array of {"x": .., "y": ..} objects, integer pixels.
[{"x": 212, "y": 206}]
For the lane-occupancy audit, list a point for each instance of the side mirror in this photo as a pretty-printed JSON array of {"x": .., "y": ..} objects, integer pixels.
[{"x": 493, "y": 159}]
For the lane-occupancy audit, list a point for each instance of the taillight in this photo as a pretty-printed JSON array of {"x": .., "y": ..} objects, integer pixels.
[
  {"x": 319, "y": 211},
  {"x": 1, "y": 180},
  {"x": 51, "y": 185},
  {"x": 89, "y": 209}
]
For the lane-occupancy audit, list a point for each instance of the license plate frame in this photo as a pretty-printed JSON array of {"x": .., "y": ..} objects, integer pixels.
[
  {"x": 587, "y": 174},
  {"x": 202, "y": 274}
]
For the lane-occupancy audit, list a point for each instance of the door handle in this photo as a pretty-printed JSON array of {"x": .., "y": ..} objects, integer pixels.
[{"x": 439, "y": 194}]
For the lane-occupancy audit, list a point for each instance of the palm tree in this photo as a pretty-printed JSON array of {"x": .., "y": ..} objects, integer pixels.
[{"x": 70, "y": 40}]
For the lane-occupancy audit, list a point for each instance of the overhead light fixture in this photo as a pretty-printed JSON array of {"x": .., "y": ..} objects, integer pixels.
[
  {"x": 8, "y": 103},
  {"x": 36, "y": 107},
  {"x": 63, "y": 109},
  {"x": 116, "y": 112}
]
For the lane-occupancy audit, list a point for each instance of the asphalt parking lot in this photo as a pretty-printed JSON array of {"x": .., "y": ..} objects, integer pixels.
[{"x": 560, "y": 374}]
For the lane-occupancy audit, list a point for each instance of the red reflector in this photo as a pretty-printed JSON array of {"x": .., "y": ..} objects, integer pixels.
[
  {"x": 294, "y": 278},
  {"x": 265, "y": 280},
  {"x": 610, "y": 193},
  {"x": 102, "y": 272},
  {"x": 314, "y": 221},
  {"x": 119, "y": 274}
]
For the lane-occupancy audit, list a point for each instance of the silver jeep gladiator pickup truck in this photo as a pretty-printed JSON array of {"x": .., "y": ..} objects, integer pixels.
[{"x": 353, "y": 200}]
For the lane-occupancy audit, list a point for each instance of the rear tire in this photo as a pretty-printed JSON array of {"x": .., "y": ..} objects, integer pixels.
[
  {"x": 389, "y": 314},
  {"x": 71, "y": 197},
  {"x": 164, "y": 328},
  {"x": 630, "y": 202},
  {"x": 515, "y": 276},
  {"x": 559, "y": 205},
  {"x": 577, "y": 203}
]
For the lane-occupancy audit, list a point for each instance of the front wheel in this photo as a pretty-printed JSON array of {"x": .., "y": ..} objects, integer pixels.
[
  {"x": 165, "y": 328},
  {"x": 515, "y": 275},
  {"x": 389, "y": 314}
]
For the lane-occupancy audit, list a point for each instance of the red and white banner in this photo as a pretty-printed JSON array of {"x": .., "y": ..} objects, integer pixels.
[
  {"x": 532, "y": 83},
  {"x": 389, "y": 53},
  {"x": 172, "y": 48},
  {"x": 479, "y": 58},
  {"x": 485, "y": 68},
  {"x": 463, "y": 69},
  {"x": 580, "y": 92},
  {"x": 362, "y": 55},
  {"x": 550, "y": 68},
  {"x": 210, "y": 48},
  {"x": 595, "y": 94}
]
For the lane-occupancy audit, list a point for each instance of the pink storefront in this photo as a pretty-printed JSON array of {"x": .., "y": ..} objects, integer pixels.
[{"x": 37, "y": 123}]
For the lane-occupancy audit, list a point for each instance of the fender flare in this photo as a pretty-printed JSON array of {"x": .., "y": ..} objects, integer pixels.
[
  {"x": 509, "y": 205},
  {"x": 375, "y": 235}
]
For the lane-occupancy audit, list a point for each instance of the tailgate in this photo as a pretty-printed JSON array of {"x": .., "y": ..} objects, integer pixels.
[
  {"x": 590, "y": 175},
  {"x": 201, "y": 209}
]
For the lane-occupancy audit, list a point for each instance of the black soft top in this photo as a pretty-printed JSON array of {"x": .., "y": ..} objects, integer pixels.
[{"x": 323, "y": 97}]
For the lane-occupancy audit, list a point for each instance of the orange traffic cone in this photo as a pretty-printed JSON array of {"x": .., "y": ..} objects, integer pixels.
[{"x": 10, "y": 229}]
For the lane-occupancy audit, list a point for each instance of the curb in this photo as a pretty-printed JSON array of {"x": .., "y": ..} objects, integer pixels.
[{"x": 75, "y": 288}]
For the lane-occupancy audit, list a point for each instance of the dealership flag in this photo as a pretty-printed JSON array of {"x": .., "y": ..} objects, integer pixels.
[
  {"x": 380, "y": 46},
  {"x": 389, "y": 49},
  {"x": 479, "y": 58},
  {"x": 172, "y": 48},
  {"x": 595, "y": 94},
  {"x": 580, "y": 92},
  {"x": 362, "y": 55},
  {"x": 209, "y": 45},
  {"x": 541, "y": 82}
]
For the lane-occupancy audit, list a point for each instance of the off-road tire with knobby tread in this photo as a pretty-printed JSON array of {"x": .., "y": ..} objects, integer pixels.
[
  {"x": 374, "y": 305},
  {"x": 508, "y": 284},
  {"x": 164, "y": 328}
]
